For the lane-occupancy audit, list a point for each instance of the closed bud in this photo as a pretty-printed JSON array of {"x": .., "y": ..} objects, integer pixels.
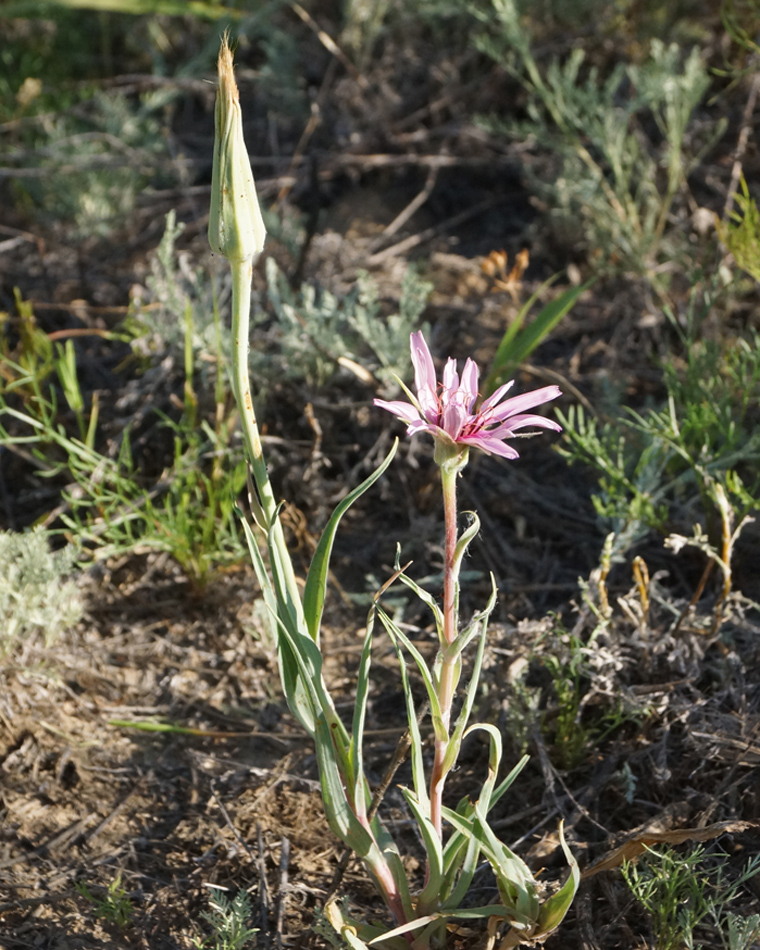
[{"x": 235, "y": 228}]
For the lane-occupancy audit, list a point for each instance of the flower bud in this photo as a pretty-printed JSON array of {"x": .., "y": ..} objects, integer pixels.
[{"x": 235, "y": 228}]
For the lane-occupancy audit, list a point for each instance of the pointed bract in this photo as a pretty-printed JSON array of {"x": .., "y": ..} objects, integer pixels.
[{"x": 235, "y": 228}]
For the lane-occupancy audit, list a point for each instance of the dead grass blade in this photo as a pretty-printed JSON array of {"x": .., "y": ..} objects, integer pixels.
[{"x": 637, "y": 845}]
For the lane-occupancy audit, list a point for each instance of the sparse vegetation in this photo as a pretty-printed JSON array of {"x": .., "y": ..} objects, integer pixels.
[
  {"x": 563, "y": 191},
  {"x": 689, "y": 894},
  {"x": 113, "y": 907},
  {"x": 227, "y": 918},
  {"x": 36, "y": 596}
]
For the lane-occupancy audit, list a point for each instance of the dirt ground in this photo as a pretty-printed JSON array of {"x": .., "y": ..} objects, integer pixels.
[
  {"x": 237, "y": 804},
  {"x": 668, "y": 740}
]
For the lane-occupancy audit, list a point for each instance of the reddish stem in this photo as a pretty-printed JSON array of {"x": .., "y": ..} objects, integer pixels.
[{"x": 449, "y": 473}]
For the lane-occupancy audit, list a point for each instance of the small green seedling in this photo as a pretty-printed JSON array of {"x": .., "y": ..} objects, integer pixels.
[{"x": 114, "y": 907}]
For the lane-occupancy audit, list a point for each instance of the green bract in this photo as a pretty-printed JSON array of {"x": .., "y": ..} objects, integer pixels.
[{"x": 235, "y": 228}]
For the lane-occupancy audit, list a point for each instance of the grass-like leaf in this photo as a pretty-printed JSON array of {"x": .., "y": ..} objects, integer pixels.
[
  {"x": 316, "y": 581},
  {"x": 517, "y": 343}
]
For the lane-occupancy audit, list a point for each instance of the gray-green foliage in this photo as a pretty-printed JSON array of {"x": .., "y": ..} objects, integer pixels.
[
  {"x": 92, "y": 163},
  {"x": 318, "y": 328},
  {"x": 683, "y": 892},
  {"x": 609, "y": 181},
  {"x": 35, "y": 596},
  {"x": 653, "y": 463},
  {"x": 737, "y": 932},
  {"x": 281, "y": 77},
  {"x": 363, "y": 24},
  {"x": 286, "y": 225},
  {"x": 228, "y": 920},
  {"x": 741, "y": 233},
  {"x": 180, "y": 296}
]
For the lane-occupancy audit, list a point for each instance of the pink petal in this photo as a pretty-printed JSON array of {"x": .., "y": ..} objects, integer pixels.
[
  {"x": 504, "y": 430},
  {"x": 496, "y": 396},
  {"x": 424, "y": 370},
  {"x": 470, "y": 375},
  {"x": 416, "y": 428},
  {"x": 518, "y": 404},
  {"x": 450, "y": 377},
  {"x": 429, "y": 404},
  {"x": 453, "y": 418},
  {"x": 401, "y": 409},
  {"x": 494, "y": 446}
]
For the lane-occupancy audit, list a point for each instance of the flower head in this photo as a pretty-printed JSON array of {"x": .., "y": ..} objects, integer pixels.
[
  {"x": 235, "y": 228},
  {"x": 445, "y": 410}
]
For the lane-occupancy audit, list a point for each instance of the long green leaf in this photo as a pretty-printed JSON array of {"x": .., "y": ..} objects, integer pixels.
[
  {"x": 340, "y": 815},
  {"x": 469, "y": 863},
  {"x": 468, "y": 633},
  {"x": 425, "y": 596},
  {"x": 458, "y": 734},
  {"x": 418, "y": 767},
  {"x": 503, "y": 786},
  {"x": 507, "y": 341},
  {"x": 554, "y": 909},
  {"x": 356, "y": 933},
  {"x": 282, "y": 573},
  {"x": 297, "y": 676},
  {"x": 429, "y": 897},
  {"x": 407, "y": 927},
  {"x": 514, "y": 350},
  {"x": 464, "y": 540},
  {"x": 316, "y": 581},
  {"x": 299, "y": 672},
  {"x": 360, "y": 712},
  {"x": 396, "y": 634},
  {"x": 517, "y": 887},
  {"x": 494, "y": 761},
  {"x": 463, "y": 913},
  {"x": 545, "y": 322}
]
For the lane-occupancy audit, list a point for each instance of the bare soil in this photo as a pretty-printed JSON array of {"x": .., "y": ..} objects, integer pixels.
[{"x": 234, "y": 801}]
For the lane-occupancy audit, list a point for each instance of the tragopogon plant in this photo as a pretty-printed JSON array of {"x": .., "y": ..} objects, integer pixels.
[{"x": 455, "y": 840}]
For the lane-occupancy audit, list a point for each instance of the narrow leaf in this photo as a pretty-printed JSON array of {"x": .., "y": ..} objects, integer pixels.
[
  {"x": 504, "y": 786},
  {"x": 418, "y": 768},
  {"x": 425, "y": 596},
  {"x": 360, "y": 712},
  {"x": 316, "y": 581},
  {"x": 469, "y": 865},
  {"x": 340, "y": 816},
  {"x": 397, "y": 635},
  {"x": 516, "y": 349},
  {"x": 464, "y": 541},
  {"x": 431, "y": 892},
  {"x": 554, "y": 909}
]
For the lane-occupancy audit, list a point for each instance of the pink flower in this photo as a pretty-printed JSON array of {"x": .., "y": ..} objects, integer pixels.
[{"x": 445, "y": 410}]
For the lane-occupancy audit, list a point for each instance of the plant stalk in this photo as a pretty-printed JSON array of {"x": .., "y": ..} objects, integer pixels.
[
  {"x": 447, "y": 677},
  {"x": 242, "y": 274}
]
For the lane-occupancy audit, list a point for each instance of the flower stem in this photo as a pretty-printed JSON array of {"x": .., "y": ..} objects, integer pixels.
[
  {"x": 449, "y": 484},
  {"x": 242, "y": 273},
  {"x": 447, "y": 674}
]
